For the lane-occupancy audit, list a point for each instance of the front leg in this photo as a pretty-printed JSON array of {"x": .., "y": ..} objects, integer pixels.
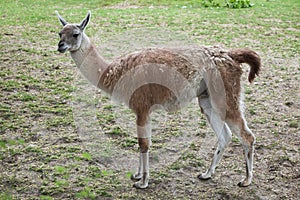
[{"x": 144, "y": 140}]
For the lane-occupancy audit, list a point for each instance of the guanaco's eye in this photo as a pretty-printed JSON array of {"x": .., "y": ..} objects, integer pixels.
[{"x": 75, "y": 35}]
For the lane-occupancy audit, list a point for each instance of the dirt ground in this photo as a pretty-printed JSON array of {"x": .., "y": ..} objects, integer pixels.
[{"x": 63, "y": 139}]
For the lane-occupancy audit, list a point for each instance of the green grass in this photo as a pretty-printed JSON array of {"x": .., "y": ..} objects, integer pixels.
[{"x": 43, "y": 149}]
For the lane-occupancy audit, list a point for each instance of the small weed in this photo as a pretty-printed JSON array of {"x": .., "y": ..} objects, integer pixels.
[
  {"x": 273, "y": 145},
  {"x": 107, "y": 172},
  {"x": 175, "y": 166},
  {"x": 33, "y": 149},
  {"x": 235, "y": 140},
  {"x": 188, "y": 156},
  {"x": 15, "y": 142},
  {"x": 129, "y": 174},
  {"x": 275, "y": 132},
  {"x": 62, "y": 183},
  {"x": 238, "y": 3},
  {"x": 248, "y": 91},
  {"x": 211, "y": 3},
  {"x": 293, "y": 124},
  {"x": 37, "y": 168},
  {"x": 106, "y": 119},
  {"x": 286, "y": 158},
  {"x": 116, "y": 131},
  {"x": 94, "y": 171},
  {"x": 252, "y": 111},
  {"x": 162, "y": 175},
  {"x": 2, "y": 143},
  {"x": 129, "y": 142},
  {"x": 10, "y": 85},
  {"x": 104, "y": 193},
  {"x": 108, "y": 107},
  {"x": 86, "y": 193},
  {"x": 261, "y": 120},
  {"x": 193, "y": 146},
  {"x": 60, "y": 169},
  {"x": 202, "y": 123},
  {"x": 73, "y": 149},
  {"x": 45, "y": 197},
  {"x": 58, "y": 121},
  {"x": 6, "y": 196},
  {"x": 86, "y": 156}
]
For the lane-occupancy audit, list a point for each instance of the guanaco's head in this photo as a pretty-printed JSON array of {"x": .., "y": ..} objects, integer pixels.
[{"x": 71, "y": 35}]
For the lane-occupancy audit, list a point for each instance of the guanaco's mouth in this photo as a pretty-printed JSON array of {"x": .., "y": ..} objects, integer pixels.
[{"x": 62, "y": 49}]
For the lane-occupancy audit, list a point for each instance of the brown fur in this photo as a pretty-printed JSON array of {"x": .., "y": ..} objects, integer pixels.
[
  {"x": 144, "y": 144},
  {"x": 122, "y": 65},
  {"x": 247, "y": 56},
  {"x": 185, "y": 62}
]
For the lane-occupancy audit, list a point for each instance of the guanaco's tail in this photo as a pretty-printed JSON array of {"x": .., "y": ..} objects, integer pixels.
[{"x": 247, "y": 56}]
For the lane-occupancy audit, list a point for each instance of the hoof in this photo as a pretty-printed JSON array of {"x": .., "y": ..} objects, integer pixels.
[
  {"x": 244, "y": 183},
  {"x": 136, "y": 177},
  {"x": 203, "y": 177},
  {"x": 140, "y": 185}
]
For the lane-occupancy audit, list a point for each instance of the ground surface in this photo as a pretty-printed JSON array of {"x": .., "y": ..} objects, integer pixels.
[{"x": 63, "y": 139}]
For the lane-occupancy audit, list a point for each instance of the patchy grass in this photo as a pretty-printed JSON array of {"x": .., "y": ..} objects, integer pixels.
[{"x": 61, "y": 138}]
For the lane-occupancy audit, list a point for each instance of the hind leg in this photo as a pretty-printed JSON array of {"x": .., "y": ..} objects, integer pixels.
[
  {"x": 247, "y": 138},
  {"x": 221, "y": 130}
]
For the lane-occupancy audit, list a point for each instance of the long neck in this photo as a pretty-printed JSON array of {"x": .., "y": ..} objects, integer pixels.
[{"x": 89, "y": 62}]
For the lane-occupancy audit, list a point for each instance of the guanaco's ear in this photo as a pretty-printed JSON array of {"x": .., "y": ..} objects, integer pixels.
[
  {"x": 85, "y": 22},
  {"x": 62, "y": 20}
]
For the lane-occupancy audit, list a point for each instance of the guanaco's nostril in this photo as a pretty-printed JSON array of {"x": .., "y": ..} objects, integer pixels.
[
  {"x": 62, "y": 47},
  {"x": 60, "y": 44}
]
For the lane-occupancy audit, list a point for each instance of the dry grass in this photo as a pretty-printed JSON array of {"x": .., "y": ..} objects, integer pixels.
[{"x": 61, "y": 139}]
